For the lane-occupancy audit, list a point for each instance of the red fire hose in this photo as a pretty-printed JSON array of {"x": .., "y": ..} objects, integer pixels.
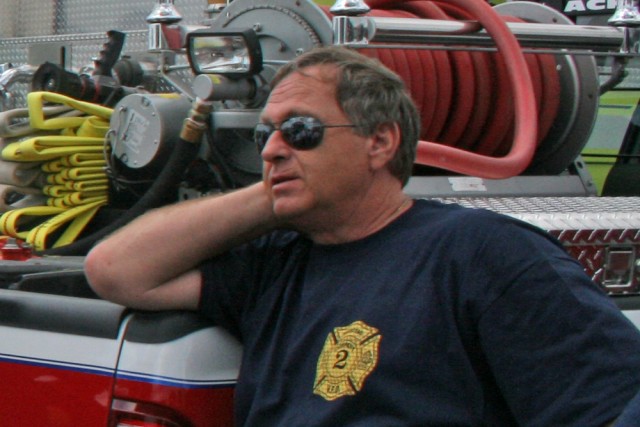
[{"x": 488, "y": 112}]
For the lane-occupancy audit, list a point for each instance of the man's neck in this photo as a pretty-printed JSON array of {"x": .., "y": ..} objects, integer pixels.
[{"x": 358, "y": 222}]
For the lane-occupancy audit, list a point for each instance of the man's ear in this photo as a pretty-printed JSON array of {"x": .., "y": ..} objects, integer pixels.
[{"x": 384, "y": 144}]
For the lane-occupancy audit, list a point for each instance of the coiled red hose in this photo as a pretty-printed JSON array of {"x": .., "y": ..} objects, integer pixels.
[{"x": 488, "y": 112}]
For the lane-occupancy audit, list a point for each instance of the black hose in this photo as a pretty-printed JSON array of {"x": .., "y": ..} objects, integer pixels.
[{"x": 618, "y": 73}]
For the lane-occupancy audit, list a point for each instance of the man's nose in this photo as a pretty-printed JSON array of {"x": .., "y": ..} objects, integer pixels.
[{"x": 275, "y": 147}]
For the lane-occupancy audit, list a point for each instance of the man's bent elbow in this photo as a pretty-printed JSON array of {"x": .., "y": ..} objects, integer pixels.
[{"x": 102, "y": 276}]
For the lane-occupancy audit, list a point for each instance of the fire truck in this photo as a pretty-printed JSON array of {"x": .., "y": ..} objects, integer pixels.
[{"x": 109, "y": 109}]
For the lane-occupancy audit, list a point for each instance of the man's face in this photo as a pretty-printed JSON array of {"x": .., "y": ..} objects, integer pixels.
[{"x": 322, "y": 183}]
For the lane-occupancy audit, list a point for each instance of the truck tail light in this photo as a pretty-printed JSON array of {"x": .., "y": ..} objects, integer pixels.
[{"x": 125, "y": 413}]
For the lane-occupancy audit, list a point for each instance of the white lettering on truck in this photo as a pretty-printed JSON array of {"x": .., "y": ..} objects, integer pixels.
[{"x": 589, "y": 5}]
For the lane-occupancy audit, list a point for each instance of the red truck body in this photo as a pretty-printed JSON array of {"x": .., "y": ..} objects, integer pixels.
[{"x": 76, "y": 360}]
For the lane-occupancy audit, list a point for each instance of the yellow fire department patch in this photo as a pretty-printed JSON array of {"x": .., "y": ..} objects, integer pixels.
[{"x": 349, "y": 355}]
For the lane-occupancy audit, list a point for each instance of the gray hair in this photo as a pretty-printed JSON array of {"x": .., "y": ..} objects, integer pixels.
[{"x": 370, "y": 95}]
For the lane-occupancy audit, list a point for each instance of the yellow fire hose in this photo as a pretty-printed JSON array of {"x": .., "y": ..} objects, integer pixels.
[{"x": 76, "y": 185}]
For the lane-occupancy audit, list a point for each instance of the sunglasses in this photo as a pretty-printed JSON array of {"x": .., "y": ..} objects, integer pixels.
[{"x": 301, "y": 133}]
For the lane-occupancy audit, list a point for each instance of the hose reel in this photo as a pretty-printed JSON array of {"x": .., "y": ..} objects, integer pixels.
[
  {"x": 465, "y": 98},
  {"x": 466, "y": 117}
]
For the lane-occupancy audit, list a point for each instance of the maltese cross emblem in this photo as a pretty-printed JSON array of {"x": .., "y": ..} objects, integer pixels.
[{"x": 349, "y": 355}]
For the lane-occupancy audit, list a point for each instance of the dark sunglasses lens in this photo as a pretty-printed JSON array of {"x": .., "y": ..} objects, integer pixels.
[
  {"x": 261, "y": 135},
  {"x": 302, "y": 133}
]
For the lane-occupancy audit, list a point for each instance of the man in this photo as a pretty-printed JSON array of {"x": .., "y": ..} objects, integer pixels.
[{"x": 359, "y": 306}]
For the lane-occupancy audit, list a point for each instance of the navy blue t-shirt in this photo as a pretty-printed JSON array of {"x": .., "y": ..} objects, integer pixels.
[
  {"x": 446, "y": 317},
  {"x": 630, "y": 417}
]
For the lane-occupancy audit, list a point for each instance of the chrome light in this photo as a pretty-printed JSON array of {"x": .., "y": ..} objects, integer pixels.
[{"x": 233, "y": 53}]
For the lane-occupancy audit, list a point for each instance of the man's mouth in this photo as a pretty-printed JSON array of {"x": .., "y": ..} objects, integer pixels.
[{"x": 279, "y": 179}]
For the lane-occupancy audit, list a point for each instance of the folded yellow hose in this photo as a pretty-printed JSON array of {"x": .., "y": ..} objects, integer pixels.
[
  {"x": 18, "y": 222},
  {"x": 76, "y": 185},
  {"x": 83, "y": 159},
  {"x": 13, "y": 123},
  {"x": 50, "y": 147},
  {"x": 88, "y": 185},
  {"x": 36, "y": 105},
  {"x": 78, "y": 217}
]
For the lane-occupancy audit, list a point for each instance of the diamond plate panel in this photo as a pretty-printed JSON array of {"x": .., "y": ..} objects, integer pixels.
[
  {"x": 76, "y": 30},
  {"x": 28, "y": 18},
  {"x": 602, "y": 233},
  {"x": 81, "y": 24},
  {"x": 594, "y": 250}
]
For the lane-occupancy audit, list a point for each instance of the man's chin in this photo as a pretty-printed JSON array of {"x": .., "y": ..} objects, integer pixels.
[
  {"x": 287, "y": 209},
  {"x": 284, "y": 209}
]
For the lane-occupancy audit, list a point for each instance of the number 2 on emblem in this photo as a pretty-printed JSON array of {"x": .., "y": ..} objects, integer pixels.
[{"x": 341, "y": 359}]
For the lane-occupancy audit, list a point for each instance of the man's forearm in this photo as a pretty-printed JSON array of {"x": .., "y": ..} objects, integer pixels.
[{"x": 164, "y": 244}]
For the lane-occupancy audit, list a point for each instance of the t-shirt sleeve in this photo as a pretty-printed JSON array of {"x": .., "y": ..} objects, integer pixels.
[
  {"x": 631, "y": 415},
  {"x": 225, "y": 286},
  {"x": 560, "y": 350},
  {"x": 233, "y": 281}
]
